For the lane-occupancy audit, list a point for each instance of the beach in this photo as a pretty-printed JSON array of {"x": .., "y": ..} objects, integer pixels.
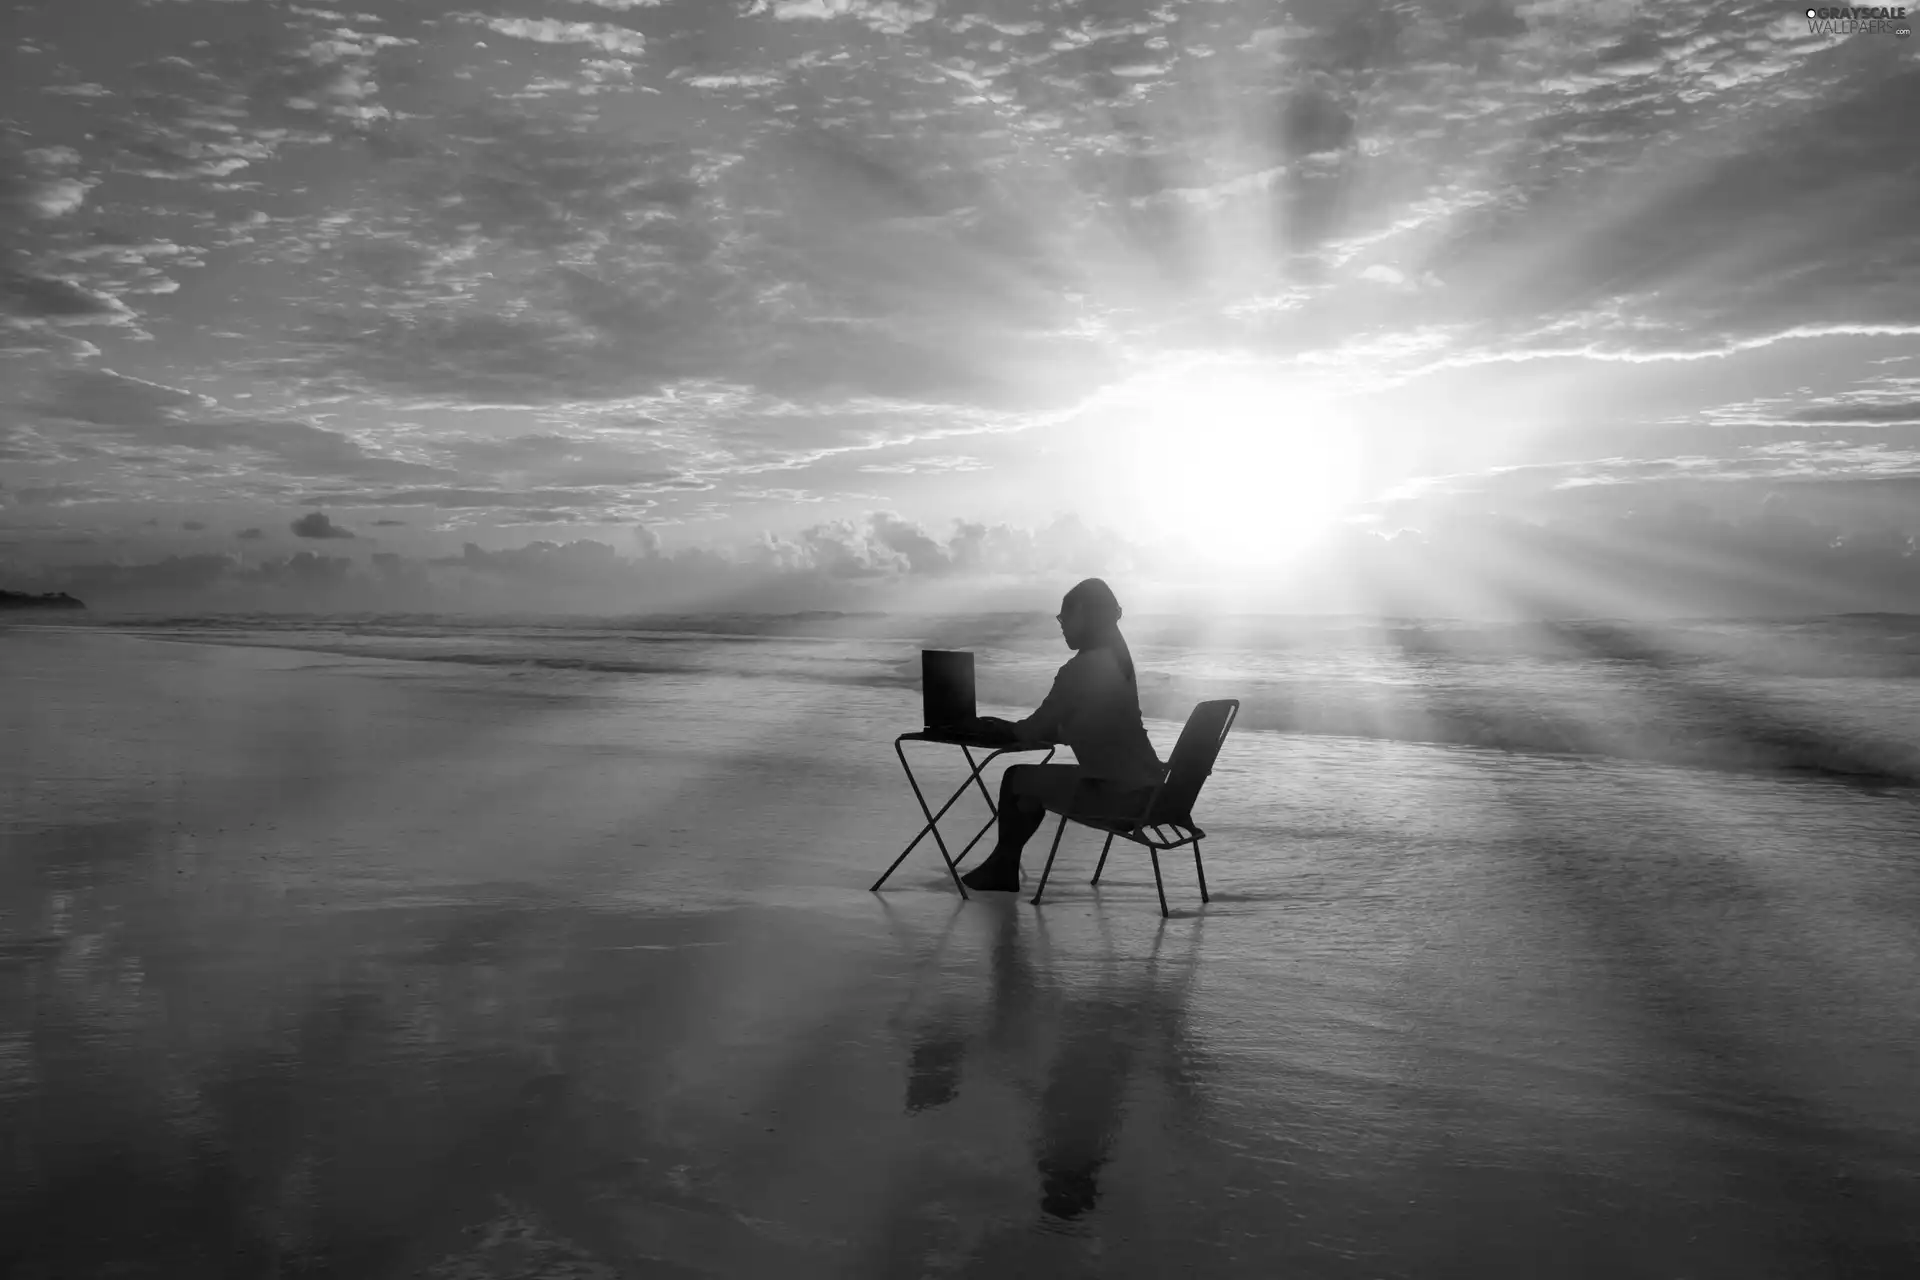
[{"x": 322, "y": 963}]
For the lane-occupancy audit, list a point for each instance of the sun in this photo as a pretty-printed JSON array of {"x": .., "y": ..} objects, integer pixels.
[{"x": 1243, "y": 468}]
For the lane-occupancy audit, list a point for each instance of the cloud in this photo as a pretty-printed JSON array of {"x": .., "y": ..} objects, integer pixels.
[
  {"x": 136, "y": 411},
  {"x": 58, "y": 301},
  {"x": 679, "y": 246},
  {"x": 666, "y": 276},
  {"x": 554, "y": 31},
  {"x": 885, "y": 545},
  {"x": 1705, "y": 244},
  {"x": 37, "y": 183},
  {"x": 58, "y": 196},
  {"x": 1492, "y": 21},
  {"x": 920, "y": 466},
  {"x": 570, "y": 558},
  {"x": 102, "y": 397},
  {"x": 842, "y": 549},
  {"x": 904, "y": 538},
  {"x": 832, "y": 564},
  {"x": 1903, "y": 413},
  {"x": 622, "y": 458},
  {"x": 893, "y": 17},
  {"x": 315, "y": 524},
  {"x": 467, "y": 499},
  {"x": 57, "y": 495},
  {"x": 1674, "y": 547}
]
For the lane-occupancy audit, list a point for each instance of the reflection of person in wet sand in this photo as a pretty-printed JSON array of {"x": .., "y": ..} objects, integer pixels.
[
  {"x": 1094, "y": 707},
  {"x": 1083, "y": 1102}
]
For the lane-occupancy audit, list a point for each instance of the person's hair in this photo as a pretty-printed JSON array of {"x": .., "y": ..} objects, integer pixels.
[{"x": 1101, "y": 609}]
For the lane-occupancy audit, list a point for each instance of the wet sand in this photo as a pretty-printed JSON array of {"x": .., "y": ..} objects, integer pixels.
[{"x": 334, "y": 967}]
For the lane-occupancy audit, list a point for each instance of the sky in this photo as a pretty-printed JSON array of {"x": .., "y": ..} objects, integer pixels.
[{"x": 1426, "y": 306}]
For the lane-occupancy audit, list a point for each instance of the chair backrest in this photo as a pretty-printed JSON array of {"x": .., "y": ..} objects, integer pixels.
[{"x": 1192, "y": 760}]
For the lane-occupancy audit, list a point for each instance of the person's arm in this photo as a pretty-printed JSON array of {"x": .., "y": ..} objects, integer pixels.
[{"x": 1042, "y": 728}]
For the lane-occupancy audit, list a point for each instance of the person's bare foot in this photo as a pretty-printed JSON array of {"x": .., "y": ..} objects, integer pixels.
[{"x": 990, "y": 878}]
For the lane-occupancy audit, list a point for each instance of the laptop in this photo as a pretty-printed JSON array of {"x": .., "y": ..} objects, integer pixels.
[{"x": 946, "y": 689}]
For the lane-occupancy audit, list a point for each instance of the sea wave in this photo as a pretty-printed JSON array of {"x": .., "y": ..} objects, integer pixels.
[
  {"x": 1834, "y": 697},
  {"x": 1757, "y": 735}
]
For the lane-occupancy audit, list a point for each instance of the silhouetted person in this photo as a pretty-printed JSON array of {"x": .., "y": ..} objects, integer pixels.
[
  {"x": 1083, "y": 1104},
  {"x": 1094, "y": 707}
]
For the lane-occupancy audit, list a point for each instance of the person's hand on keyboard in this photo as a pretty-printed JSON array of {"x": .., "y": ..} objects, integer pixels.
[{"x": 995, "y": 728}]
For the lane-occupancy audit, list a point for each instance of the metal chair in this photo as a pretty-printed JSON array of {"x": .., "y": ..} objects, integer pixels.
[{"x": 1170, "y": 806}]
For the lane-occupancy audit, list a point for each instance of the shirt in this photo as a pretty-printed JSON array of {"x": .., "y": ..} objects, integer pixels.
[{"x": 1094, "y": 709}]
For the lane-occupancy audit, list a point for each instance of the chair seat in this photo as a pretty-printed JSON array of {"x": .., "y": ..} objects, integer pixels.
[
  {"x": 1099, "y": 816},
  {"x": 1127, "y": 829}
]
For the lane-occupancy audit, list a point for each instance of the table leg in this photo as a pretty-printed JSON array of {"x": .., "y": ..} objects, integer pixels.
[
  {"x": 933, "y": 824},
  {"x": 993, "y": 810},
  {"x": 933, "y": 819}
]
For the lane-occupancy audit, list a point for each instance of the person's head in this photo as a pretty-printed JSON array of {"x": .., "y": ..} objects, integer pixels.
[{"x": 1089, "y": 614}]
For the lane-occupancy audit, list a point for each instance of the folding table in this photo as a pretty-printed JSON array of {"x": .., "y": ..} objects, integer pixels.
[{"x": 966, "y": 742}]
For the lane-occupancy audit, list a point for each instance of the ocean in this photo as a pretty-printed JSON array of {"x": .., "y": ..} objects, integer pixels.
[
  {"x": 550, "y": 951},
  {"x": 1829, "y": 696}
]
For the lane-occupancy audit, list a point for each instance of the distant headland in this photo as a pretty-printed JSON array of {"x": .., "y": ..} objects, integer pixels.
[{"x": 51, "y": 600}]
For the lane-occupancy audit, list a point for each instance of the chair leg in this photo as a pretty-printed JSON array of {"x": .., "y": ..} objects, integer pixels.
[
  {"x": 1103, "y": 858},
  {"x": 1201, "y": 872},
  {"x": 1048, "y": 869},
  {"x": 1158, "y": 887}
]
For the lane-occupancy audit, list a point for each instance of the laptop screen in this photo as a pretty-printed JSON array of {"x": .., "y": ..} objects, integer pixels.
[{"x": 946, "y": 687}]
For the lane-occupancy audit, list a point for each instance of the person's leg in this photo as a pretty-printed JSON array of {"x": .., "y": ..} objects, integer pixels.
[
  {"x": 1025, "y": 790},
  {"x": 1023, "y": 808}
]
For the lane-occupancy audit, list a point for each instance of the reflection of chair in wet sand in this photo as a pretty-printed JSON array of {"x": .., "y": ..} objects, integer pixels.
[
  {"x": 1166, "y": 820},
  {"x": 1084, "y": 1102}
]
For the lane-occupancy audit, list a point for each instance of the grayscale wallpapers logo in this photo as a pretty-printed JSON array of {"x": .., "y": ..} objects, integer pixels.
[{"x": 1857, "y": 21}]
